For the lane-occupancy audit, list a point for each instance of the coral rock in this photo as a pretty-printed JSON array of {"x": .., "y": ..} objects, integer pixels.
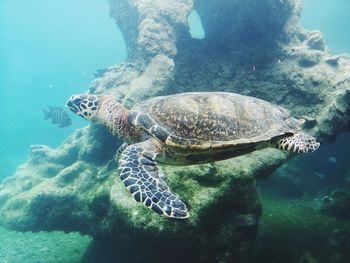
[
  {"x": 270, "y": 56},
  {"x": 314, "y": 40}
]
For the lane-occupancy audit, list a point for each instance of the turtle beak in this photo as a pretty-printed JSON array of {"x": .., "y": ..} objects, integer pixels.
[
  {"x": 71, "y": 105},
  {"x": 69, "y": 102}
]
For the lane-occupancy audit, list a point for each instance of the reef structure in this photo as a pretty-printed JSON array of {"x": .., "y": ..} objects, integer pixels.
[{"x": 255, "y": 48}]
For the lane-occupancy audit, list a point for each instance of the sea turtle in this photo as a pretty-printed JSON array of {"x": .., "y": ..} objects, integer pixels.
[{"x": 187, "y": 128}]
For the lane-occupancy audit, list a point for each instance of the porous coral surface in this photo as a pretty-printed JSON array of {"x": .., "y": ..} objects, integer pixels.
[{"x": 76, "y": 187}]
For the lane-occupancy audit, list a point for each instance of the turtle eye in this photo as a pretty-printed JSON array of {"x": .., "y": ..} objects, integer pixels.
[{"x": 77, "y": 101}]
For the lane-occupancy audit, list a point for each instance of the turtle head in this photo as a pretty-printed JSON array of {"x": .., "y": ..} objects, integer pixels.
[
  {"x": 84, "y": 105},
  {"x": 104, "y": 110}
]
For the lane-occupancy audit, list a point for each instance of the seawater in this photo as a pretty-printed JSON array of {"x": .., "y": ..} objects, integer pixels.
[
  {"x": 48, "y": 51},
  {"x": 51, "y": 49}
]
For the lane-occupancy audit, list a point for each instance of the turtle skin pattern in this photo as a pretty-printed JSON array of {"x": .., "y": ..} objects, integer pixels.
[
  {"x": 218, "y": 118},
  {"x": 139, "y": 173},
  {"x": 188, "y": 128}
]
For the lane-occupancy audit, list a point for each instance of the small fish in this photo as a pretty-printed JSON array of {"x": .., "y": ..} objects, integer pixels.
[
  {"x": 332, "y": 160},
  {"x": 58, "y": 116},
  {"x": 327, "y": 199},
  {"x": 319, "y": 175}
]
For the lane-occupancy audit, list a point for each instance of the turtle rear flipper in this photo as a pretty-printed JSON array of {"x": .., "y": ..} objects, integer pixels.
[
  {"x": 139, "y": 173},
  {"x": 299, "y": 142}
]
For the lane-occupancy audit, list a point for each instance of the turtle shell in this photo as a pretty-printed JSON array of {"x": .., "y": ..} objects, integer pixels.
[{"x": 205, "y": 120}]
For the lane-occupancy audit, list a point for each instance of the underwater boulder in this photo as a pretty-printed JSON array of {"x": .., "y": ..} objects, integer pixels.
[
  {"x": 314, "y": 40},
  {"x": 75, "y": 187},
  {"x": 90, "y": 198}
]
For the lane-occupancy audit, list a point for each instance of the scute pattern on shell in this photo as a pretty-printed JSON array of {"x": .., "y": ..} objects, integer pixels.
[{"x": 218, "y": 117}]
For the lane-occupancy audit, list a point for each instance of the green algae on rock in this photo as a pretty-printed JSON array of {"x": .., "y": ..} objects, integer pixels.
[
  {"x": 72, "y": 188},
  {"x": 42, "y": 247},
  {"x": 289, "y": 227}
]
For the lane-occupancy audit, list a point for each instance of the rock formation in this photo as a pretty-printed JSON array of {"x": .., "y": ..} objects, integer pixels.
[{"x": 252, "y": 47}]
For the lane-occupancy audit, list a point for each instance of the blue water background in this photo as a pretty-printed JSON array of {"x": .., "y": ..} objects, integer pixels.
[
  {"x": 50, "y": 50},
  {"x": 332, "y": 18}
]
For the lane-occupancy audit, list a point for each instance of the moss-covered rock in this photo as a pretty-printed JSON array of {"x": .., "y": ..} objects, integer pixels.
[
  {"x": 76, "y": 187},
  {"x": 294, "y": 229},
  {"x": 42, "y": 247},
  {"x": 89, "y": 198}
]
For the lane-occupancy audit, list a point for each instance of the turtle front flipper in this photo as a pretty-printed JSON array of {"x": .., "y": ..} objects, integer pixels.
[
  {"x": 299, "y": 142},
  {"x": 139, "y": 173},
  {"x": 119, "y": 151}
]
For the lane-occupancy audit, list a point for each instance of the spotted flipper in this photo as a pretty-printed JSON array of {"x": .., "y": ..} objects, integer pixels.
[
  {"x": 299, "y": 142},
  {"x": 119, "y": 151},
  {"x": 139, "y": 173}
]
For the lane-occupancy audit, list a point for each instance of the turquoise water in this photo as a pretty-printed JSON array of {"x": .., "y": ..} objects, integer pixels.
[
  {"x": 331, "y": 17},
  {"x": 48, "y": 51}
]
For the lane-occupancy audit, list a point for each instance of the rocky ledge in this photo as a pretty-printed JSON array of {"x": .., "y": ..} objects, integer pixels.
[{"x": 254, "y": 48}]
